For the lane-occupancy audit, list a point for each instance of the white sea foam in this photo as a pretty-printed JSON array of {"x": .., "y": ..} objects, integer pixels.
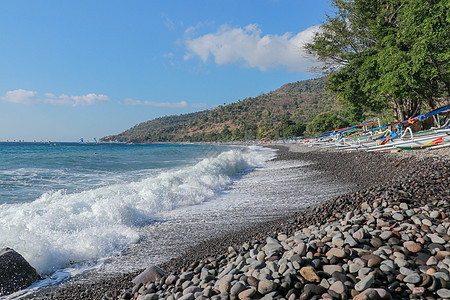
[{"x": 59, "y": 228}]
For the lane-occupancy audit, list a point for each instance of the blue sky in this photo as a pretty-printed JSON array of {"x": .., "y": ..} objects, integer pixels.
[{"x": 72, "y": 69}]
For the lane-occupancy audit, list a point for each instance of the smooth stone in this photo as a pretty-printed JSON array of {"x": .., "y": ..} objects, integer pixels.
[
  {"x": 412, "y": 278},
  {"x": 187, "y": 276},
  {"x": 300, "y": 249},
  {"x": 192, "y": 289},
  {"x": 309, "y": 273},
  {"x": 15, "y": 272},
  {"x": 373, "y": 293},
  {"x": 427, "y": 222},
  {"x": 386, "y": 268},
  {"x": 364, "y": 271},
  {"x": 406, "y": 271},
  {"x": 419, "y": 291},
  {"x": 376, "y": 242},
  {"x": 324, "y": 283},
  {"x": 385, "y": 235},
  {"x": 365, "y": 283},
  {"x": 394, "y": 241},
  {"x": 436, "y": 239},
  {"x": 247, "y": 294},
  {"x": 440, "y": 255},
  {"x": 398, "y": 216},
  {"x": 151, "y": 296},
  {"x": 403, "y": 206},
  {"x": 257, "y": 265},
  {"x": 338, "y": 287},
  {"x": 313, "y": 289},
  {"x": 354, "y": 268},
  {"x": 359, "y": 234},
  {"x": 237, "y": 288},
  {"x": 435, "y": 214},
  {"x": 330, "y": 269},
  {"x": 336, "y": 252},
  {"x": 444, "y": 293},
  {"x": 441, "y": 275},
  {"x": 372, "y": 260},
  {"x": 414, "y": 248},
  {"x": 266, "y": 286},
  {"x": 400, "y": 262},
  {"x": 151, "y": 274},
  {"x": 282, "y": 237},
  {"x": 252, "y": 281},
  {"x": 171, "y": 279},
  {"x": 350, "y": 241},
  {"x": 189, "y": 296},
  {"x": 224, "y": 286}
]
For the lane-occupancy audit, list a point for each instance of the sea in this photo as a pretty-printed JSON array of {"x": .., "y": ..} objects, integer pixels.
[{"x": 105, "y": 208}]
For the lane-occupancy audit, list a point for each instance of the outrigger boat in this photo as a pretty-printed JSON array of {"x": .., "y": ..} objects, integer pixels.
[{"x": 401, "y": 138}]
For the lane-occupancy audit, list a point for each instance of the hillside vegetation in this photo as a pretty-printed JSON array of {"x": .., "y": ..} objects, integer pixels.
[{"x": 287, "y": 110}]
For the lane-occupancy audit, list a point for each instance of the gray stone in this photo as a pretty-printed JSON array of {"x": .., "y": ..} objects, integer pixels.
[
  {"x": 187, "y": 276},
  {"x": 15, "y": 272},
  {"x": 385, "y": 235},
  {"x": 336, "y": 252},
  {"x": 400, "y": 262},
  {"x": 266, "y": 286},
  {"x": 427, "y": 222},
  {"x": 444, "y": 293},
  {"x": 412, "y": 278},
  {"x": 192, "y": 289},
  {"x": 359, "y": 234},
  {"x": 441, "y": 275},
  {"x": 151, "y": 296},
  {"x": 300, "y": 249},
  {"x": 386, "y": 268},
  {"x": 248, "y": 293},
  {"x": 406, "y": 271},
  {"x": 354, "y": 268},
  {"x": 338, "y": 287},
  {"x": 171, "y": 279},
  {"x": 237, "y": 288},
  {"x": 189, "y": 296},
  {"x": 435, "y": 214},
  {"x": 365, "y": 283},
  {"x": 330, "y": 269},
  {"x": 258, "y": 265},
  {"x": 436, "y": 239},
  {"x": 350, "y": 241},
  {"x": 398, "y": 217}
]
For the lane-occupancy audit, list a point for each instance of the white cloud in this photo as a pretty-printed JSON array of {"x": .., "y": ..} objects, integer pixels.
[
  {"x": 168, "y": 22},
  {"x": 64, "y": 99},
  {"x": 180, "y": 104},
  {"x": 249, "y": 45},
  {"x": 19, "y": 96}
]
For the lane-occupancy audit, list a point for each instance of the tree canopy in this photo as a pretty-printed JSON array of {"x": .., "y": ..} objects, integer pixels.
[{"x": 387, "y": 53}]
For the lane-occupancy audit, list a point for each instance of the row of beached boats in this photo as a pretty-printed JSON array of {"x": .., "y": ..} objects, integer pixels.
[{"x": 398, "y": 135}]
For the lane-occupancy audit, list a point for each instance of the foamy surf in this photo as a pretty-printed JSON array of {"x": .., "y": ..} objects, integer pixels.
[{"x": 60, "y": 230}]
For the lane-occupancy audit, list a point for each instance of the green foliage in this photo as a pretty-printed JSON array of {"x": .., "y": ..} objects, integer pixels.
[
  {"x": 325, "y": 122},
  {"x": 387, "y": 54},
  {"x": 286, "y": 109}
]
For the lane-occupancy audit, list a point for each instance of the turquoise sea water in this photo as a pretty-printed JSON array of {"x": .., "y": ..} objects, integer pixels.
[
  {"x": 27, "y": 170},
  {"x": 99, "y": 209},
  {"x": 68, "y": 203}
]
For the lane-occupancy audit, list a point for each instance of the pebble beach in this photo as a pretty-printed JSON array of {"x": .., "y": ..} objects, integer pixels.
[{"x": 387, "y": 237}]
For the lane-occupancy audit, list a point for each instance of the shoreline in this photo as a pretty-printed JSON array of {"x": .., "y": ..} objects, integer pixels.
[{"x": 352, "y": 167}]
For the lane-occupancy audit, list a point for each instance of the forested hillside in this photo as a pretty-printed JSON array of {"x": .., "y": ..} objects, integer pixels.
[{"x": 287, "y": 110}]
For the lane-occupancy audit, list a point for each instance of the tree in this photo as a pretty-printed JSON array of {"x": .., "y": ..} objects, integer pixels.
[
  {"x": 325, "y": 122},
  {"x": 386, "y": 53}
]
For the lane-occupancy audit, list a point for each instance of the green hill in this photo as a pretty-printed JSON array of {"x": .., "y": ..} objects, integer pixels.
[{"x": 292, "y": 105}]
